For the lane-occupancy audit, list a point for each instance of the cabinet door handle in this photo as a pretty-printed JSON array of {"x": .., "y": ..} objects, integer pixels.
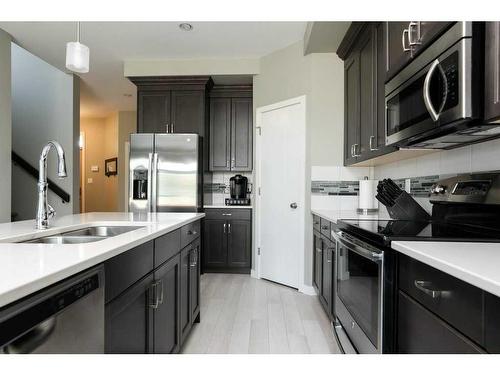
[
  {"x": 424, "y": 286},
  {"x": 229, "y": 228},
  {"x": 403, "y": 40},
  {"x": 355, "y": 147},
  {"x": 160, "y": 300},
  {"x": 411, "y": 26},
  {"x": 225, "y": 227},
  {"x": 372, "y": 138},
  {"x": 166, "y": 127},
  {"x": 194, "y": 262},
  {"x": 153, "y": 291},
  {"x": 352, "y": 151}
]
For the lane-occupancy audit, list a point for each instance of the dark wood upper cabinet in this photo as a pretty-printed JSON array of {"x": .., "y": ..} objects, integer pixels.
[
  {"x": 220, "y": 134},
  {"x": 398, "y": 50},
  {"x": 492, "y": 71},
  {"x": 153, "y": 113},
  {"x": 351, "y": 107},
  {"x": 405, "y": 41},
  {"x": 367, "y": 97},
  {"x": 172, "y": 104},
  {"x": 241, "y": 134},
  {"x": 231, "y": 129},
  {"x": 187, "y": 114},
  {"x": 364, "y": 74}
]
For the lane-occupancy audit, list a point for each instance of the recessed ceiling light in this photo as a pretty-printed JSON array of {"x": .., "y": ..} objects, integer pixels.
[{"x": 185, "y": 26}]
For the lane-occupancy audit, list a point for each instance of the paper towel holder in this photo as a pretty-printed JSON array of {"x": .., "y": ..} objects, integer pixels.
[{"x": 366, "y": 211}]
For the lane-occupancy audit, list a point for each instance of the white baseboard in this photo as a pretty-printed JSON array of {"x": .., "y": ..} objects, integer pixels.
[
  {"x": 253, "y": 273},
  {"x": 307, "y": 289}
]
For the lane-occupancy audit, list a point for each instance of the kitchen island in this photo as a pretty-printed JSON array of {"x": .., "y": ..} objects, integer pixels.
[{"x": 28, "y": 267}]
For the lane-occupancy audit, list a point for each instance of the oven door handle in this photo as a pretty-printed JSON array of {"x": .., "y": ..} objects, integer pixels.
[
  {"x": 427, "y": 90},
  {"x": 342, "y": 240}
]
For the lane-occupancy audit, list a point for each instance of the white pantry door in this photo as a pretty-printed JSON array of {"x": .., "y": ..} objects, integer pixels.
[{"x": 281, "y": 145}]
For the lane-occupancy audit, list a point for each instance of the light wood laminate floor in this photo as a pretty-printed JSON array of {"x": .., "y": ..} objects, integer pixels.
[{"x": 240, "y": 314}]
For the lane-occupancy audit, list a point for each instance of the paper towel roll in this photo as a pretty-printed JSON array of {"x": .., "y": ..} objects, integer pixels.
[{"x": 366, "y": 197}]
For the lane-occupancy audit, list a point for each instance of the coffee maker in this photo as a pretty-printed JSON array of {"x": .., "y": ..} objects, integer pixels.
[{"x": 238, "y": 190}]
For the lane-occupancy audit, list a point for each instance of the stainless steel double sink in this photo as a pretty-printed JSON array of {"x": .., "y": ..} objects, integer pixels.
[{"x": 84, "y": 235}]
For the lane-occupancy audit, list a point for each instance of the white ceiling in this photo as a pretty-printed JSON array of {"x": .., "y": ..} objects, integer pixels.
[{"x": 103, "y": 89}]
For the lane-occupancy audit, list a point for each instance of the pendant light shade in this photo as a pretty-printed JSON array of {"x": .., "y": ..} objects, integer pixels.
[{"x": 77, "y": 55}]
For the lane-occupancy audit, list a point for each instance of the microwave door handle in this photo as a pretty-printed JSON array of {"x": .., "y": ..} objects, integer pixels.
[{"x": 427, "y": 91}]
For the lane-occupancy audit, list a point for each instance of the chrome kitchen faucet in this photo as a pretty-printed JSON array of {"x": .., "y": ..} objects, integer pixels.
[{"x": 45, "y": 210}]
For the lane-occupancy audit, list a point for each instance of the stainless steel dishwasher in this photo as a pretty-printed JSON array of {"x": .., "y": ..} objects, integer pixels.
[{"x": 65, "y": 318}]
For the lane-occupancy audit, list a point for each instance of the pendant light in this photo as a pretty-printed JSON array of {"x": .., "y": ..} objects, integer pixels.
[{"x": 77, "y": 54}]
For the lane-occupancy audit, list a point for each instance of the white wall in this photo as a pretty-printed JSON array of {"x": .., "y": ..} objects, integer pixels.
[
  {"x": 5, "y": 127},
  {"x": 286, "y": 74},
  {"x": 45, "y": 106}
]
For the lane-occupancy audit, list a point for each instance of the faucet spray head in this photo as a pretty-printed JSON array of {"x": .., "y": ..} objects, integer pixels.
[{"x": 61, "y": 168}]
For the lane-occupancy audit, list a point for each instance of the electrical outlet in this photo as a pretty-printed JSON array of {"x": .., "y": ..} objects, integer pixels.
[{"x": 94, "y": 168}]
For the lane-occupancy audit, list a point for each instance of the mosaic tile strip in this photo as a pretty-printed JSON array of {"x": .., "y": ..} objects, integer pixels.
[
  {"x": 215, "y": 188},
  {"x": 335, "y": 187}
]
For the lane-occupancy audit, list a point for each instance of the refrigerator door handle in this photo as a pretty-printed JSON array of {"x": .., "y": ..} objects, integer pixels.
[
  {"x": 154, "y": 176},
  {"x": 150, "y": 176}
]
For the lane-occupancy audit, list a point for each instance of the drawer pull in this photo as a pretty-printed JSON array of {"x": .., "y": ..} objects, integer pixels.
[
  {"x": 227, "y": 214},
  {"x": 424, "y": 286},
  {"x": 325, "y": 227},
  {"x": 192, "y": 233}
]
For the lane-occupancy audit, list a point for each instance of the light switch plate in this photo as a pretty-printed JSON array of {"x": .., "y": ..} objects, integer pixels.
[
  {"x": 94, "y": 168},
  {"x": 90, "y": 180}
]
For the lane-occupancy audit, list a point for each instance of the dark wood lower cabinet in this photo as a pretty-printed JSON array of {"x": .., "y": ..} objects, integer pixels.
[
  {"x": 228, "y": 241},
  {"x": 128, "y": 327},
  {"x": 166, "y": 315},
  {"x": 422, "y": 332},
  {"x": 190, "y": 288},
  {"x": 154, "y": 314},
  {"x": 317, "y": 262}
]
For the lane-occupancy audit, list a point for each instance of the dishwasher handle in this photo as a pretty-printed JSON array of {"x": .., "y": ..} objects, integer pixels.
[{"x": 32, "y": 339}]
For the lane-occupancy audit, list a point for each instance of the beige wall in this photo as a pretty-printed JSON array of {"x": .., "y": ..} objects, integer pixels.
[
  {"x": 127, "y": 124},
  {"x": 105, "y": 139},
  {"x": 111, "y": 151},
  {"x": 5, "y": 127}
]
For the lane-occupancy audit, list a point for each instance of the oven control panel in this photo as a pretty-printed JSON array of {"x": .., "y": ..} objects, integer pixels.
[{"x": 471, "y": 188}]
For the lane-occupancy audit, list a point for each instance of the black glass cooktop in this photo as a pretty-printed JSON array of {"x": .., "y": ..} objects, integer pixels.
[{"x": 385, "y": 231}]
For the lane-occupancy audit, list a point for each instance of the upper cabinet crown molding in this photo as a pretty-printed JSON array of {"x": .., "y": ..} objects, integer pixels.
[
  {"x": 227, "y": 91},
  {"x": 173, "y": 82},
  {"x": 350, "y": 39}
]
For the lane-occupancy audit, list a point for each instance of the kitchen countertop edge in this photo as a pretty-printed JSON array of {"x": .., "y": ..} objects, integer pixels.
[
  {"x": 474, "y": 266},
  {"x": 38, "y": 283}
]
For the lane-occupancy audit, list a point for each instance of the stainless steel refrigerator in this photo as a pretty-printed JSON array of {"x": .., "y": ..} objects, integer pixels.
[{"x": 166, "y": 173}]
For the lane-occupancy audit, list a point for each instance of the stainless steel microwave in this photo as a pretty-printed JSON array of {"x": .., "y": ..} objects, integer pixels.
[{"x": 435, "y": 101}]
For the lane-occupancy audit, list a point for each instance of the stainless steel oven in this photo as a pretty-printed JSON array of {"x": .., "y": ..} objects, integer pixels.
[
  {"x": 359, "y": 294},
  {"x": 434, "y": 102}
]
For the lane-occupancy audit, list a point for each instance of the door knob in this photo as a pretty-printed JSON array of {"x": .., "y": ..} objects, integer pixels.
[{"x": 293, "y": 205}]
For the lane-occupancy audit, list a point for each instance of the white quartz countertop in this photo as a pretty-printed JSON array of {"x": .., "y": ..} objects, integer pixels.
[
  {"x": 476, "y": 263},
  {"x": 28, "y": 267},
  {"x": 334, "y": 215},
  {"x": 224, "y": 206}
]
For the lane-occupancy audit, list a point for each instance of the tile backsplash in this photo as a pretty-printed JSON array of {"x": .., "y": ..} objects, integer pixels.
[
  {"x": 337, "y": 187},
  {"x": 220, "y": 186}
]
